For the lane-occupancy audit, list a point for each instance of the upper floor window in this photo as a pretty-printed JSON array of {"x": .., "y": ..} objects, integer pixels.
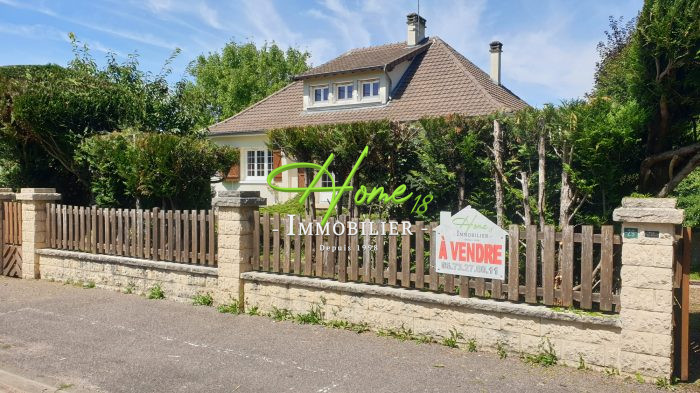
[
  {"x": 326, "y": 181},
  {"x": 320, "y": 93},
  {"x": 259, "y": 163},
  {"x": 370, "y": 88},
  {"x": 344, "y": 91}
]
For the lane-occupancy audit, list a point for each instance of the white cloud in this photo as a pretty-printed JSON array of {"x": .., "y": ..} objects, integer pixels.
[
  {"x": 209, "y": 16},
  {"x": 264, "y": 17}
]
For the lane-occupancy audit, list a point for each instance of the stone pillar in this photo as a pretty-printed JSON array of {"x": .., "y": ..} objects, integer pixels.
[
  {"x": 34, "y": 201},
  {"x": 648, "y": 236},
  {"x": 235, "y": 214}
]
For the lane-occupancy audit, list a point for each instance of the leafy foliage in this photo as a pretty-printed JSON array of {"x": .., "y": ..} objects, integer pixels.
[{"x": 153, "y": 169}]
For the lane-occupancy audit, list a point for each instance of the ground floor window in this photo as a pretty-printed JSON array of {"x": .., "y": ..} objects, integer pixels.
[{"x": 259, "y": 163}]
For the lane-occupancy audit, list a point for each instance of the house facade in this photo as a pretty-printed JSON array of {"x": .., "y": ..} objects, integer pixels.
[{"x": 404, "y": 81}]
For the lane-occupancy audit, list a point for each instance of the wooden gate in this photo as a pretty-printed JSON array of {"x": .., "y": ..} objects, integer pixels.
[
  {"x": 681, "y": 304},
  {"x": 11, "y": 239}
]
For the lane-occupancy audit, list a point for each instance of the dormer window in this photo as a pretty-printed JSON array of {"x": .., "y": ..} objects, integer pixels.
[
  {"x": 344, "y": 91},
  {"x": 370, "y": 88},
  {"x": 320, "y": 93}
]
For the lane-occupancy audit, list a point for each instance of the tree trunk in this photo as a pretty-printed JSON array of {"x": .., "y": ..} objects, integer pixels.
[
  {"x": 541, "y": 173},
  {"x": 693, "y": 163},
  {"x": 498, "y": 171},
  {"x": 524, "y": 182},
  {"x": 461, "y": 191},
  {"x": 566, "y": 194}
]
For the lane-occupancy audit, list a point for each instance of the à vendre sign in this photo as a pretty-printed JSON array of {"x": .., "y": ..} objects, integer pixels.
[{"x": 469, "y": 244}]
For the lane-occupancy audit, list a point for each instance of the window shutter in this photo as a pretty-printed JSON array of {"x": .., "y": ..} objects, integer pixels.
[
  {"x": 276, "y": 163},
  {"x": 234, "y": 174},
  {"x": 301, "y": 176}
]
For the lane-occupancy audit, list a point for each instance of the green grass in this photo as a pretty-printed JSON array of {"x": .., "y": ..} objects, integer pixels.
[
  {"x": 546, "y": 356},
  {"x": 231, "y": 308},
  {"x": 254, "y": 310},
  {"x": 156, "y": 292},
  {"x": 501, "y": 350},
  {"x": 203, "y": 300},
  {"x": 281, "y": 314},
  {"x": 471, "y": 345},
  {"x": 130, "y": 288},
  {"x": 451, "y": 341},
  {"x": 313, "y": 317}
]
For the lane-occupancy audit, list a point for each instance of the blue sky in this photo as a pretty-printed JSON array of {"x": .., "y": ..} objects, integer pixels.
[{"x": 549, "y": 46}]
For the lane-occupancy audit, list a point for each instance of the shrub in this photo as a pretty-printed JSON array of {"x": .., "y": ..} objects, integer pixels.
[{"x": 156, "y": 292}]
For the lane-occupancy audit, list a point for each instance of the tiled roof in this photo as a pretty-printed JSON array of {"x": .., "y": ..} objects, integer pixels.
[
  {"x": 363, "y": 59},
  {"x": 439, "y": 81}
]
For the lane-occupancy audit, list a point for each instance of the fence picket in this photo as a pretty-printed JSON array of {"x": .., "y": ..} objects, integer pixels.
[
  {"x": 513, "y": 263},
  {"x": 194, "y": 221},
  {"x": 392, "y": 258},
  {"x": 606, "y": 267},
  {"x": 308, "y": 250},
  {"x": 266, "y": 242},
  {"x": 256, "y": 241},
  {"x": 297, "y": 246},
  {"x": 354, "y": 264},
  {"x": 379, "y": 256},
  {"x": 567, "y": 266},
  {"x": 420, "y": 257},
  {"x": 548, "y": 246},
  {"x": 287, "y": 247},
  {"x": 202, "y": 237},
  {"x": 586, "y": 267},
  {"x": 342, "y": 253},
  {"x": 276, "y": 243},
  {"x": 531, "y": 264},
  {"x": 406, "y": 260},
  {"x": 433, "y": 250}
]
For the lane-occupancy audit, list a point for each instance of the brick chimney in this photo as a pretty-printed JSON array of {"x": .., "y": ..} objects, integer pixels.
[
  {"x": 496, "y": 49},
  {"x": 416, "y": 29}
]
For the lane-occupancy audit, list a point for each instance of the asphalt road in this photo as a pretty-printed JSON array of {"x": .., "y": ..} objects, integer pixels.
[{"x": 97, "y": 340}]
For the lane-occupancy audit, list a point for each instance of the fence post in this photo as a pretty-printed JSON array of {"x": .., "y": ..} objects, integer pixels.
[
  {"x": 34, "y": 202},
  {"x": 648, "y": 236},
  {"x": 235, "y": 214}
]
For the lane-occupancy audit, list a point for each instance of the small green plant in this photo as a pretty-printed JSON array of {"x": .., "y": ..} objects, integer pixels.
[
  {"x": 425, "y": 339},
  {"x": 313, "y": 317},
  {"x": 501, "y": 350},
  {"x": 451, "y": 341},
  {"x": 346, "y": 325},
  {"x": 89, "y": 285},
  {"x": 664, "y": 383},
  {"x": 639, "y": 377},
  {"x": 129, "y": 288},
  {"x": 545, "y": 357},
  {"x": 254, "y": 310},
  {"x": 231, "y": 308},
  {"x": 203, "y": 300},
  {"x": 471, "y": 345},
  {"x": 581, "y": 362},
  {"x": 402, "y": 333},
  {"x": 612, "y": 371},
  {"x": 156, "y": 292},
  {"x": 280, "y": 314}
]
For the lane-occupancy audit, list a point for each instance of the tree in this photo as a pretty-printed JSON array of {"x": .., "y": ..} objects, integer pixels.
[
  {"x": 153, "y": 169},
  {"x": 238, "y": 76}
]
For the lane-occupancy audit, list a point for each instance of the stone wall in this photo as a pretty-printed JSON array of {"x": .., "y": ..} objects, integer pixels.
[
  {"x": 519, "y": 328},
  {"x": 179, "y": 282}
]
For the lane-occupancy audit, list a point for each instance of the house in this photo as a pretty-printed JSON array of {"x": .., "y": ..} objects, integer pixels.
[{"x": 403, "y": 81}]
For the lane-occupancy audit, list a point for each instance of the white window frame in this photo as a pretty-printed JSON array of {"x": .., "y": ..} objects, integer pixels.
[
  {"x": 313, "y": 94},
  {"x": 267, "y": 164},
  {"x": 371, "y": 83},
  {"x": 344, "y": 84}
]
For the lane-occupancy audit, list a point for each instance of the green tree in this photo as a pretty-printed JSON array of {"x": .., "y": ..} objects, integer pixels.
[
  {"x": 238, "y": 76},
  {"x": 154, "y": 169}
]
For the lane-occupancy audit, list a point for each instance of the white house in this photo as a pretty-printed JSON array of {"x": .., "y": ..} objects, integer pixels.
[{"x": 403, "y": 81}]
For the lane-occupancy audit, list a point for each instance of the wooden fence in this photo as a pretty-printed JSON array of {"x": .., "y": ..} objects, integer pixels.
[
  {"x": 161, "y": 235},
  {"x": 567, "y": 268}
]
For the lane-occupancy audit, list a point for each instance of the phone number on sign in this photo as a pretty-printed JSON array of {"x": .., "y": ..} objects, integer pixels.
[{"x": 323, "y": 247}]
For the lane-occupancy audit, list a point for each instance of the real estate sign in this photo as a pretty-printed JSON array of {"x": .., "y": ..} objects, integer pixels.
[{"x": 469, "y": 244}]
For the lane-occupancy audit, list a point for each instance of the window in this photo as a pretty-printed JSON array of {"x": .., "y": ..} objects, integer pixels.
[
  {"x": 259, "y": 163},
  {"x": 370, "y": 88},
  {"x": 326, "y": 181},
  {"x": 344, "y": 91},
  {"x": 320, "y": 93}
]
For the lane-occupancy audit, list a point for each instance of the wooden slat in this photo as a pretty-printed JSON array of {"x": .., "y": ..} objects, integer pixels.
[
  {"x": 354, "y": 264},
  {"x": 113, "y": 230},
  {"x": 329, "y": 255},
  {"x": 318, "y": 254},
  {"x": 94, "y": 229},
  {"x": 100, "y": 230},
  {"x": 531, "y": 264},
  {"x": 147, "y": 234},
  {"x": 126, "y": 234},
  {"x": 287, "y": 263},
  {"x": 49, "y": 226},
  {"x": 266, "y": 242},
  {"x": 81, "y": 228},
  {"x": 107, "y": 231},
  {"x": 405, "y": 260},
  {"x": 194, "y": 223},
  {"x": 343, "y": 253},
  {"x": 171, "y": 235},
  {"x": 120, "y": 232},
  {"x": 586, "y": 267},
  {"x": 606, "y": 268},
  {"x": 420, "y": 264},
  {"x": 71, "y": 246},
  {"x": 433, "y": 250},
  {"x": 464, "y": 286},
  {"x": 548, "y": 248},
  {"x": 479, "y": 286},
  {"x": 308, "y": 250},
  {"x": 64, "y": 226},
  {"x": 379, "y": 255},
  {"x": 567, "y": 266},
  {"x": 392, "y": 261},
  {"x": 211, "y": 219},
  {"x": 203, "y": 237},
  {"x": 155, "y": 227},
  {"x": 256, "y": 241},
  {"x": 297, "y": 245},
  {"x": 162, "y": 235},
  {"x": 135, "y": 240},
  {"x": 276, "y": 243},
  {"x": 513, "y": 262},
  {"x": 185, "y": 250},
  {"x": 177, "y": 216},
  {"x": 367, "y": 254}
]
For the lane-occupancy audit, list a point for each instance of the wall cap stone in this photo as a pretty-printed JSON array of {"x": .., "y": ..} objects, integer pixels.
[
  {"x": 654, "y": 203},
  {"x": 504, "y": 307},
  {"x": 238, "y": 199},
  {"x": 649, "y": 210},
  {"x": 136, "y": 262},
  {"x": 38, "y": 194},
  {"x": 6, "y": 194}
]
